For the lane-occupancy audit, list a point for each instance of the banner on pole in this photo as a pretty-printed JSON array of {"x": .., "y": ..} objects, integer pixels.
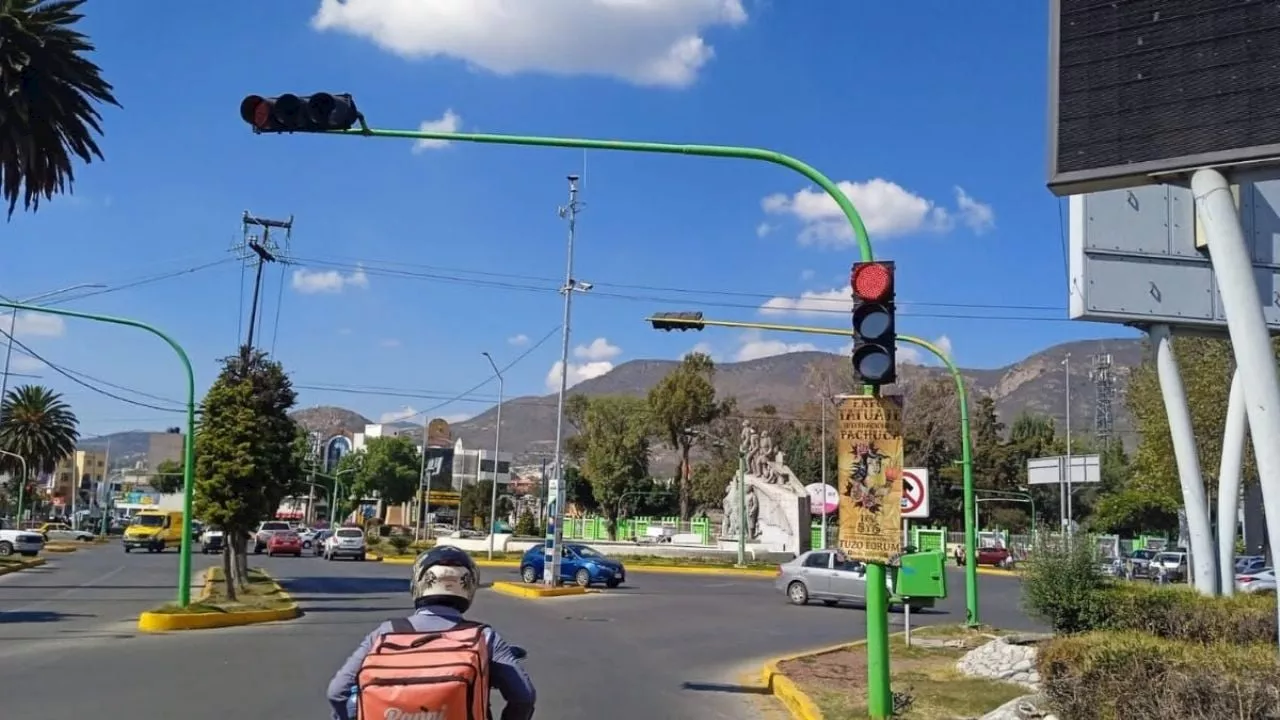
[{"x": 870, "y": 446}]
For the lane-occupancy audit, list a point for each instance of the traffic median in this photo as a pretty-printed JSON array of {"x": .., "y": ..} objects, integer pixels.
[
  {"x": 9, "y": 565},
  {"x": 536, "y": 592},
  {"x": 261, "y": 600},
  {"x": 634, "y": 564}
]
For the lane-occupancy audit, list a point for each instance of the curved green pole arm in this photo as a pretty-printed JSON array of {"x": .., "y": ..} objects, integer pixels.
[
  {"x": 188, "y": 469},
  {"x": 720, "y": 151},
  {"x": 966, "y": 462}
]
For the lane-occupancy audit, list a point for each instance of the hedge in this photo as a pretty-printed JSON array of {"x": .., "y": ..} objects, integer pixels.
[
  {"x": 1180, "y": 613},
  {"x": 1126, "y": 675}
]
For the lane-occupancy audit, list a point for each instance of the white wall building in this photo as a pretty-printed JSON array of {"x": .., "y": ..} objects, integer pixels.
[{"x": 468, "y": 465}]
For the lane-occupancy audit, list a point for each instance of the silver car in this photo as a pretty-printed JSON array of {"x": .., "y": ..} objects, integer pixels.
[{"x": 825, "y": 575}]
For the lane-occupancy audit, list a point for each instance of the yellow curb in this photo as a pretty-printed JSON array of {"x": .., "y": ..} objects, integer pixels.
[
  {"x": 533, "y": 592},
  {"x": 169, "y": 622},
  {"x": 997, "y": 572},
  {"x": 797, "y": 703},
  {"x": 60, "y": 548},
  {"x": 23, "y": 565}
]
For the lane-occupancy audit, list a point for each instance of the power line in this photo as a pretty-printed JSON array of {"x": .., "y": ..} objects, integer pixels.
[
  {"x": 838, "y": 306},
  {"x": 145, "y": 280}
]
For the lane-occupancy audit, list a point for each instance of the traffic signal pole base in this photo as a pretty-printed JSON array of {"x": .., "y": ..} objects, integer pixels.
[{"x": 879, "y": 692}]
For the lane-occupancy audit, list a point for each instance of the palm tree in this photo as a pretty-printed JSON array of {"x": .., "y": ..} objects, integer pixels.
[
  {"x": 47, "y": 95},
  {"x": 36, "y": 424}
]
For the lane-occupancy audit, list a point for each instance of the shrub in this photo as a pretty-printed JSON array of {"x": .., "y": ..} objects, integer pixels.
[
  {"x": 400, "y": 543},
  {"x": 1117, "y": 676},
  {"x": 527, "y": 525},
  {"x": 1063, "y": 584},
  {"x": 1180, "y": 613}
]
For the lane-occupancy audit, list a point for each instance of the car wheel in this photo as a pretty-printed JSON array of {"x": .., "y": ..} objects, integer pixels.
[
  {"x": 128, "y": 549},
  {"x": 306, "y": 545},
  {"x": 797, "y": 593},
  {"x": 528, "y": 574},
  {"x": 360, "y": 557},
  {"x": 582, "y": 578},
  {"x": 612, "y": 583},
  {"x": 6, "y": 548}
]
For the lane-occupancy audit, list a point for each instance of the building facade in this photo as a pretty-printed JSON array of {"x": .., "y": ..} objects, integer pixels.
[{"x": 83, "y": 470}]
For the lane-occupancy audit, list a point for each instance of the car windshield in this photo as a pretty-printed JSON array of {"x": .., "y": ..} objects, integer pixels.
[
  {"x": 148, "y": 520},
  {"x": 1168, "y": 558},
  {"x": 350, "y": 533},
  {"x": 1144, "y": 554},
  {"x": 275, "y": 526},
  {"x": 586, "y": 552}
]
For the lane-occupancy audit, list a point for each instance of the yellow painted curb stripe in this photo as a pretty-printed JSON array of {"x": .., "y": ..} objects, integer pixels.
[
  {"x": 530, "y": 592},
  {"x": 797, "y": 703},
  {"x": 59, "y": 548},
  {"x": 24, "y": 564},
  {"x": 168, "y": 622}
]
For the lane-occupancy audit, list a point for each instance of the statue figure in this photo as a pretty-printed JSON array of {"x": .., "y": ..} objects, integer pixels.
[
  {"x": 729, "y": 524},
  {"x": 764, "y": 461},
  {"x": 753, "y": 514}
]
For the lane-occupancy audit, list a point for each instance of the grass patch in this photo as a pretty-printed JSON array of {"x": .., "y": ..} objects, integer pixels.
[
  {"x": 261, "y": 593},
  {"x": 923, "y": 675}
]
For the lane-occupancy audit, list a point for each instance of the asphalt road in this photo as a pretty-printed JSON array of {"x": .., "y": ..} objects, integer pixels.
[{"x": 671, "y": 646}]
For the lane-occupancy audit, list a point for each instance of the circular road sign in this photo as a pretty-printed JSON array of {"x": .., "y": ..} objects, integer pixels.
[{"x": 912, "y": 492}]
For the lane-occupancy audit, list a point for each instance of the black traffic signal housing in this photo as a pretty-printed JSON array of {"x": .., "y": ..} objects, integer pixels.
[
  {"x": 677, "y": 321},
  {"x": 875, "y": 335},
  {"x": 321, "y": 112}
]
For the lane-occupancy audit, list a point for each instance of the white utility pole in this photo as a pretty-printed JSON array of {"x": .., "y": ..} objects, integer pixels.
[
  {"x": 497, "y": 445},
  {"x": 1066, "y": 505},
  {"x": 824, "y": 473},
  {"x": 551, "y": 561}
]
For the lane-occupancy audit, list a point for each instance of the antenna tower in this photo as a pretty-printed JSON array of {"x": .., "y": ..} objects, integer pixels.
[{"x": 1104, "y": 392}]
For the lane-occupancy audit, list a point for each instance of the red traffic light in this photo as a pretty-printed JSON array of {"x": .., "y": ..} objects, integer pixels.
[{"x": 871, "y": 281}]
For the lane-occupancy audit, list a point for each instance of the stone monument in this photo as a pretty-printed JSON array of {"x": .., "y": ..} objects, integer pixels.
[{"x": 777, "y": 504}]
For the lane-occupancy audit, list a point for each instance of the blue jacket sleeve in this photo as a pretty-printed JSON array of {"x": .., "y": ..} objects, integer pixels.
[
  {"x": 508, "y": 677},
  {"x": 343, "y": 682}
]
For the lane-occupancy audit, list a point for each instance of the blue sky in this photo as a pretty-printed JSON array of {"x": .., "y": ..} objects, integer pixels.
[{"x": 408, "y": 262}]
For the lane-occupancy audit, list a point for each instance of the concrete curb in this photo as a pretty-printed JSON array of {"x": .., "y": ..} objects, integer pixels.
[
  {"x": 534, "y": 592},
  {"x": 170, "y": 622},
  {"x": 25, "y": 565},
  {"x": 59, "y": 548},
  {"x": 797, "y": 703}
]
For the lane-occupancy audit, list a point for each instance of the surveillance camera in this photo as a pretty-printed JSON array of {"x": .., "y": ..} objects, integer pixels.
[
  {"x": 584, "y": 286},
  {"x": 573, "y": 178}
]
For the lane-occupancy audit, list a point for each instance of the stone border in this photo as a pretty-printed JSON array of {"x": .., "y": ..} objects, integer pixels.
[
  {"x": 535, "y": 592},
  {"x": 23, "y": 565},
  {"x": 169, "y": 622},
  {"x": 798, "y": 704}
]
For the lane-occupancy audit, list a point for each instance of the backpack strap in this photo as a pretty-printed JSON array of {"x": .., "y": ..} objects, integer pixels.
[{"x": 402, "y": 625}]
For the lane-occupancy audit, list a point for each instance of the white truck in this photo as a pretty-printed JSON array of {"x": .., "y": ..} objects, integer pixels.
[{"x": 27, "y": 543}]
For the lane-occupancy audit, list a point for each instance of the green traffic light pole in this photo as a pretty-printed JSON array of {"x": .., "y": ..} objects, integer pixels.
[
  {"x": 966, "y": 447},
  {"x": 189, "y": 447}
]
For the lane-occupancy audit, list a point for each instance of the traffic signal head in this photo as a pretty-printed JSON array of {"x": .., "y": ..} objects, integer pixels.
[
  {"x": 322, "y": 112},
  {"x": 677, "y": 321},
  {"x": 874, "y": 332}
]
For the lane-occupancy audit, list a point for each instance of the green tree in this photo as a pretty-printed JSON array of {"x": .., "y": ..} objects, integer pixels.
[
  {"x": 48, "y": 92},
  {"x": 527, "y": 525},
  {"x": 390, "y": 469},
  {"x": 348, "y": 472},
  {"x": 475, "y": 499},
  {"x": 38, "y": 425},
  {"x": 245, "y": 452},
  {"x": 612, "y": 449},
  {"x": 168, "y": 477},
  {"x": 684, "y": 399},
  {"x": 577, "y": 490}
]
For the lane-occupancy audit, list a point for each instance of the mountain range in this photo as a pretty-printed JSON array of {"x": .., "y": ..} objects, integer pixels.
[{"x": 1035, "y": 384}]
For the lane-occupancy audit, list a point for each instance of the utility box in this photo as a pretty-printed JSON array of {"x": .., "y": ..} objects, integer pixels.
[{"x": 921, "y": 575}]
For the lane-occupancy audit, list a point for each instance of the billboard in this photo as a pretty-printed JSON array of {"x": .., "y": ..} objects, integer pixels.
[
  {"x": 1144, "y": 88},
  {"x": 439, "y": 467},
  {"x": 1133, "y": 256},
  {"x": 334, "y": 449},
  {"x": 439, "y": 434},
  {"x": 870, "y": 477}
]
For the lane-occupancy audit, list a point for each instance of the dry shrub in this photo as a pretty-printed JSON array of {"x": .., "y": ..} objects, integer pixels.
[
  {"x": 1180, "y": 613},
  {"x": 1121, "y": 676}
]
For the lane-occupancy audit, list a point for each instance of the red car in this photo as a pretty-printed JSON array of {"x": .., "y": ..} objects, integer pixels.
[{"x": 284, "y": 543}]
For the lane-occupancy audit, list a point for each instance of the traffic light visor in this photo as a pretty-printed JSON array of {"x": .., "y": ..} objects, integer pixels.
[
  {"x": 872, "y": 322},
  {"x": 872, "y": 363},
  {"x": 871, "y": 281}
]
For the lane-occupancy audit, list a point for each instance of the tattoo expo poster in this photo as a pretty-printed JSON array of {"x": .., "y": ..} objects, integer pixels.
[{"x": 870, "y": 479}]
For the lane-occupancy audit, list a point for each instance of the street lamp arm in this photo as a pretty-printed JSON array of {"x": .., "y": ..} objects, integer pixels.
[{"x": 719, "y": 151}]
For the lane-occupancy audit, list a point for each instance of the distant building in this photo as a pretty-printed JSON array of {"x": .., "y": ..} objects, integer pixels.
[
  {"x": 83, "y": 469},
  {"x": 164, "y": 446}
]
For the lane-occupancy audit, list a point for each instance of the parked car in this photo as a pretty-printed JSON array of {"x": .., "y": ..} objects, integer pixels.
[
  {"x": 992, "y": 555},
  {"x": 1256, "y": 581},
  {"x": 211, "y": 541},
  {"x": 62, "y": 532},
  {"x": 579, "y": 564},
  {"x": 827, "y": 576},
  {"x": 27, "y": 543},
  {"x": 266, "y": 529},
  {"x": 1246, "y": 564},
  {"x": 1171, "y": 566},
  {"x": 345, "y": 542},
  {"x": 1138, "y": 565},
  {"x": 318, "y": 540},
  {"x": 284, "y": 543}
]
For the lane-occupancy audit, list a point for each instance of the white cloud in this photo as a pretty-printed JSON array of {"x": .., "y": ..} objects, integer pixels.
[
  {"x": 450, "y": 122},
  {"x": 400, "y": 415},
  {"x": 811, "y": 302},
  {"x": 518, "y": 340},
  {"x": 763, "y": 229},
  {"x": 598, "y": 350},
  {"x": 977, "y": 216},
  {"x": 25, "y": 364},
  {"x": 704, "y": 348},
  {"x": 309, "y": 282},
  {"x": 577, "y": 373},
  {"x": 753, "y": 346},
  {"x": 390, "y": 343},
  {"x": 887, "y": 209},
  {"x": 645, "y": 42},
  {"x": 31, "y": 324}
]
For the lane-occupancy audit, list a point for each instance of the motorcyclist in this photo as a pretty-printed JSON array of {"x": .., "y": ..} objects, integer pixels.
[{"x": 444, "y": 583}]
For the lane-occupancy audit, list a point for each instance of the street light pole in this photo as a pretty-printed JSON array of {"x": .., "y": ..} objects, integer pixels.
[
  {"x": 824, "y": 472},
  {"x": 497, "y": 445},
  {"x": 13, "y": 325},
  {"x": 22, "y": 482}
]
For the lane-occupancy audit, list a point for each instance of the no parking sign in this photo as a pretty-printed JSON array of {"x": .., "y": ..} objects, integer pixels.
[{"x": 915, "y": 493}]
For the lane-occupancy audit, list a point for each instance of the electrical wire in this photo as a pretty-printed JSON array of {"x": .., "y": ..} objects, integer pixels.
[
  {"x": 145, "y": 280},
  {"x": 811, "y": 305},
  {"x": 275, "y": 331},
  {"x": 72, "y": 376}
]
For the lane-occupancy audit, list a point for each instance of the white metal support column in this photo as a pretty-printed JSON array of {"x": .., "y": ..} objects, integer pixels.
[
  {"x": 1229, "y": 484},
  {"x": 1187, "y": 458},
  {"x": 1250, "y": 340}
]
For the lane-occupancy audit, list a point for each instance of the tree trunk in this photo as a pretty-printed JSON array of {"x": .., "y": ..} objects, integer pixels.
[
  {"x": 611, "y": 514},
  {"x": 684, "y": 483},
  {"x": 240, "y": 567},
  {"x": 228, "y": 572}
]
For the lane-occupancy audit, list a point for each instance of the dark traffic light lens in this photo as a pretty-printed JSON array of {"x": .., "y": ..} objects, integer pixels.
[
  {"x": 872, "y": 322},
  {"x": 872, "y": 363},
  {"x": 321, "y": 106},
  {"x": 288, "y": 110}
]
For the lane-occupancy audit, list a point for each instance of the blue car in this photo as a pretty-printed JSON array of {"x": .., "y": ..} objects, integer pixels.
[{"x": 579, "y": 564}]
